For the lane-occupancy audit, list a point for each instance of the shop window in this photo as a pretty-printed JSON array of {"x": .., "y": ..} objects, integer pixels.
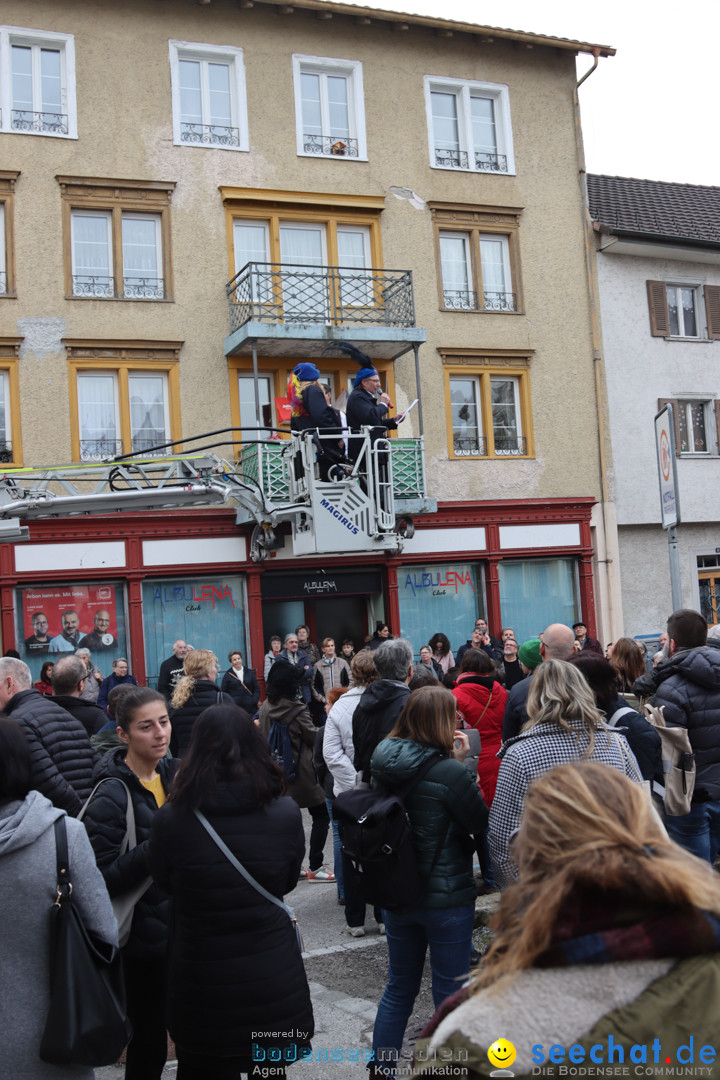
[
  {"x": 697, "y": 425},
  {"x": 443, "y": 598},
  {"x": 487, "y": 405},
  {"x": 329, "y": 107},
  {"x": 684, "y": 310},
  {"x": 7, "y": 246},
  {"x": 56, "y": 620},
  {"x": 122, "y": 399},
  {"x": 208, "y": 96},
  {"x": 117, "y": 239},
  {"x": 10, "y": 443},
  {"x": 537, "y": 592},
  {"x": 37, "y": 96},
  {"x": 709, "y": 587},
  {"x": 469, "y": 125},
  {"x": 206, "y": 612},
  {"x": 478, "y": 258}
]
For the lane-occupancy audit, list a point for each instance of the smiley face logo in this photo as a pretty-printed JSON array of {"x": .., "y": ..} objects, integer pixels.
[{"x": 502, "y": 1053}]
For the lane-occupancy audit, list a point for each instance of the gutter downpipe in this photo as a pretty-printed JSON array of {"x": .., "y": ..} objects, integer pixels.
[{"x": 607, "y": 545}]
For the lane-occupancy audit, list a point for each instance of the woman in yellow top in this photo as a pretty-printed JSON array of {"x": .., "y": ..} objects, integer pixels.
[{"x": 137, "y": 767}]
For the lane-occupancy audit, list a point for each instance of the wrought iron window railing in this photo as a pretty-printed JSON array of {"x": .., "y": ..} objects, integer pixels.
[
  {"x": 99, "y": 449},
  {"x": 209, "y": 134},
  {"x": 47, "y": 122},
  {"x": 510, "y": 446},
  {"x": 467, "y": 300},
  {"x": 469, "y": 446},
  {"x": 103, "y": 287},
  {"x": 460, "y": 159},
  {"x": 478, "y": 446},
  {"x": 330, "y": 145},
  {"x": 332, "y": 295},
  {"x": 6, "y": 452},
  {"x": 149, "y": 443}
]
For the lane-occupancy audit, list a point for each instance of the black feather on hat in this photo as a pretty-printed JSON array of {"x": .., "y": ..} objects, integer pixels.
[
  {"x": 283, "y": 681},
  {"x": 361, "y": 359}
]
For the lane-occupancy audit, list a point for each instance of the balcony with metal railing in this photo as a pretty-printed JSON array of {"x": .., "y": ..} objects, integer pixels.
[{"x": 276, "y": 306}]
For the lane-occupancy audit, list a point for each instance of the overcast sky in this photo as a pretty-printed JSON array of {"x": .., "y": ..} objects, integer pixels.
[{"x": 650, "y": 111}]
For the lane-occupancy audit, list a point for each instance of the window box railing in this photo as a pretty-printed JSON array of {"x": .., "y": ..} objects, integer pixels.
[
  {"x": 510, "y": 446},
  {"x": 99, "y": 449},
  {"x": 470, "y": 446},
  {"x": 6, "y": 453},
  {"x": 46, "y": 122},
  {"x": 478, "y": 446},
  {"x": 102, "y": 286},
  {"x": 467, "y": 300},
  {"x": 3, "y": 282},
  {"x": 460, "y": 159},
  {"x": 451, "y": 159},
  {"x": 490, "y": 162},
  {"x": 331, "y": 295},
  {"x": 330, "y": 146},
  {"x": 209, "y": 134}
]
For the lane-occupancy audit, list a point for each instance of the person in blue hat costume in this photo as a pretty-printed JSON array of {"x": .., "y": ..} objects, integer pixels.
[{"x": 310, "y": 409}]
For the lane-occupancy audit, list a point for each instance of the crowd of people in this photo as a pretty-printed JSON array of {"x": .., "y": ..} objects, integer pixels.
[{"x": 532, "y": 758}]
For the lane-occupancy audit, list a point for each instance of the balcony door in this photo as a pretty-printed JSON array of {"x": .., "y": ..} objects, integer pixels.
[{"x": 303, "y": 254}]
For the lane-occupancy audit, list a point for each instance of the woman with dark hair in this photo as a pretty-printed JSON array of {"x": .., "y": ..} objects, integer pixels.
[
  {"x": 44, "y": 684},
  {"x": 283, "y": 707},
  {"x": 440, "y": 646},
  {"x": 610, "y": 939},
  {"x": 481, "y": 699},
  {"x": 628, "y": 663},
  {"x": 240, "y": 683},
  {"x": 642, "y": 737},
  {"x": 28, "y": 883},
  {"x": 235, "y": 966},
  {"x": 381, "y": 634},
  {"x": 143, "y": 727},
  {"x": 445, "y": 810}
]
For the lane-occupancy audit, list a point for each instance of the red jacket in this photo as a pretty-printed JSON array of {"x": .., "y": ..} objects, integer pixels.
[{"x": 482, "y": 703}]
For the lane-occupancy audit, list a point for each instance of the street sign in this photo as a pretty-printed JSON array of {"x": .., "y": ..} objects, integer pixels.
[{"x": 667, "y": 467}]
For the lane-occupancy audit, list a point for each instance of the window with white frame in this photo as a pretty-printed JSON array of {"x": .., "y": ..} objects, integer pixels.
[
  {"x": 3, "y": 253},
  {"x": 488, "y": 412},
  {"x": 476, "y": 272},
  {"x": 121, "y": 411},
  {"x": 132, "y": 273},
  {"x": 37, "y": 82},
  {"x": 329, "y": 107},
  {"x": 208, "y": 96},
  {"x": 469, "y": 125},
  {"x": 683, "y": 304},
  {"x": 696, "y": 426},
  {"x": 5, "y": 426},
  {"x": 248, "y": 416},
  {"x": 684, "y": 309}
]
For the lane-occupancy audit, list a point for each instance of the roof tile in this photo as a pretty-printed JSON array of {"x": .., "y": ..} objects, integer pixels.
[{"x": 655, "y": 208}]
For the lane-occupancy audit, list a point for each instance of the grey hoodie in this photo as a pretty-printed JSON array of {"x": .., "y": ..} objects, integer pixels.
[{"x": 27, "y": 891}]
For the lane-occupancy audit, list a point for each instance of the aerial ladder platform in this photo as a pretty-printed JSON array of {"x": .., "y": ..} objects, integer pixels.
[{"x": 365, "y": 506}]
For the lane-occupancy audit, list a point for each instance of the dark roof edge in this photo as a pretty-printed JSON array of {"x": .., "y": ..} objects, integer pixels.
[
  {"x": 381, "y": 15},
  {"x": 655, "y": 238}
]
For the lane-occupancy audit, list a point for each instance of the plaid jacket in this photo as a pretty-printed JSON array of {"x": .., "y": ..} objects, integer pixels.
[{"x": 528, "y": 756}]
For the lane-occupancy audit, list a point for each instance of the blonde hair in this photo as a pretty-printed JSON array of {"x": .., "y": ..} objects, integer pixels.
[
  {"x": 196, "y": 665},
  {"x": 586, "y": 826},
  {"x": 558, "y": 694},
  {"x": 362, "y": 668}
]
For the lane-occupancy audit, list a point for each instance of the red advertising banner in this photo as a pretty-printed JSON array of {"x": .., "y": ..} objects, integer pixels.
[{"x": 65, "y": 618}]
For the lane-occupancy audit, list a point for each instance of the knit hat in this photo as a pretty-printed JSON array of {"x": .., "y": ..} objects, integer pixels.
[
  {"x": 528, "y": 653},
  {"x": 306, "y": 372},
  {"x": 283, "y": 681}
]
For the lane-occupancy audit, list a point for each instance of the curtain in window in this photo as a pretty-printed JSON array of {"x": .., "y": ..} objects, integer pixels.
[
  {"x": 248, "y": 419},
  {"x": 466, "y": 420},
  {"x": 141, "y": 272},
  {"x": 492, "y": 259},
  {"x": 456, "y": 283},
  {"x": 482, "y": 113},
  {"x": 97, "y": 415},
  {"x": 355, "y": 288},
  {"x": 3, "y": 267},
  {"x": 4, "y": 433},
  {"x": 439, "y": 599},
  {"x": 504, "y": 414},
  {"x": 147, "y": 411},
  {"x": 537, "y": 592},
  {"x": 304, "y": 292},
  {"x": 91, "y": 245}
]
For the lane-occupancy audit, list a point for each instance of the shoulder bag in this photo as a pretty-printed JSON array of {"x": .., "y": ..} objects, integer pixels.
[
  {"x": 248, "y": 876},
  {"x": 123, "y": 905},
  {"x": 678, "y": 762},
  {"x": 87, "y": 1021}
]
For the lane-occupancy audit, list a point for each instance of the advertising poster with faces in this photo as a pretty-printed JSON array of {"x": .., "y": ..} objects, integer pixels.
[{"x": 60, "y": 619}]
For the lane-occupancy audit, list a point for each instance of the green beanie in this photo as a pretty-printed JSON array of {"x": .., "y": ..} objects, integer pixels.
[{"x": 529, "y": 653}]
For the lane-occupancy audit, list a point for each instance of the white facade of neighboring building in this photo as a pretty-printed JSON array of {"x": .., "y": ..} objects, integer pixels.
[{"x": 647, "y": 363}]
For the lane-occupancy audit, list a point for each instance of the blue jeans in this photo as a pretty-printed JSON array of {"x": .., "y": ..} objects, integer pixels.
[
  {"x": 448, "y": 932},
  {"x": 337, "y": 850},
  {"x": 698, "y": 831}
]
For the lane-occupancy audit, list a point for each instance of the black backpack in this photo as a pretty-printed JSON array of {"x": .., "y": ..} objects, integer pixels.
[{"x": 377, "y": 839}]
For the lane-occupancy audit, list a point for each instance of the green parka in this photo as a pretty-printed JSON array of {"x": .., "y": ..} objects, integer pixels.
[{"x": 445, "y": 809}]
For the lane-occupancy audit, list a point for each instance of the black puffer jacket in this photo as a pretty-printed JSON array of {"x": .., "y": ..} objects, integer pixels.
[
  {"x": 205, "y": 693},
  {"x": 689, "y": 688},
  {"x": 445, "y": 810},
  {"x": 62, "y": 757},
  {"x": 105, "y": 822},
  {"x": 374, "y": 718},
  {"x": 235, "y": 967},
  {"x": 90, "y": 715},
  {"x": 642, "y": 738}
]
